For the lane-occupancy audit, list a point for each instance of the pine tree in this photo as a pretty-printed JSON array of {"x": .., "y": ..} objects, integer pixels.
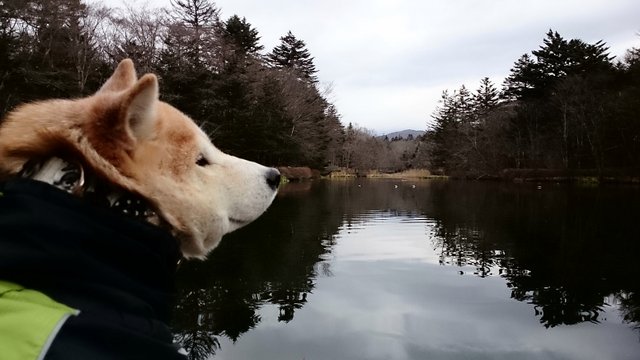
[
  {"x": 486, "y": 98},
  {"x": 552, "y": 58},
  {"x": 556, "y": 59},
  {"x": 443, "y": 130},
  {"x": 292, "y": 54},
  {"x": 239, "y": 33},
  {"x": 197, "y": 14},
  {"x": 193, "y": 29},
  {"x": 463, "y": 105},
  {"x": 522, "y": 80},
  {"x": 189, "y": 56},
  {"x": 47, "y": 49}
]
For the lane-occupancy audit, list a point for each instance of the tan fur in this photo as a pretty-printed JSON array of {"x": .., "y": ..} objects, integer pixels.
[{"x": 125, "y": 134}]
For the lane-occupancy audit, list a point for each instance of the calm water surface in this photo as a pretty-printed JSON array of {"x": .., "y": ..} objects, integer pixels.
[{"x": 422, "y": 270}]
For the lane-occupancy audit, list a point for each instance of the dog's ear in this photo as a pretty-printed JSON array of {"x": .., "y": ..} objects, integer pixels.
[
  {"x": 140, "y": 105},
  {"x": 123, "y": 77}
]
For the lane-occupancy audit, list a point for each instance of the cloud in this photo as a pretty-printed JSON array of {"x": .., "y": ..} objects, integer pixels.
[{"x": 388, "y": 61}]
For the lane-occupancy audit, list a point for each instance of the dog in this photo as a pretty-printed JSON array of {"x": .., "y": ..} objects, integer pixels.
[
  {"x": 100, "y": 197},
  {"x": 145, "y": 146}
]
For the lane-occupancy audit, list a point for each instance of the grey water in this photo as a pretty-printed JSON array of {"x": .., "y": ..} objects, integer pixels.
[{"x": 390, "y": 269}]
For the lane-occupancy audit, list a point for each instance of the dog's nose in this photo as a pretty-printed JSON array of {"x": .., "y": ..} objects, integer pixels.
[{"x": 273, "y": 178}]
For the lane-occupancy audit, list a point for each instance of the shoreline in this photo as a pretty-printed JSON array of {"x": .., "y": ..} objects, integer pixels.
[{"x": 584, "y": 177}]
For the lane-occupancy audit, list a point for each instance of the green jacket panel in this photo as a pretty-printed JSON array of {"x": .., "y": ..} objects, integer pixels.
[{"x": 29, "y": 321}]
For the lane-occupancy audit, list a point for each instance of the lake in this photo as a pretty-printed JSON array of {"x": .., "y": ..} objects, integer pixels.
[{"x": 390, "y": 269}]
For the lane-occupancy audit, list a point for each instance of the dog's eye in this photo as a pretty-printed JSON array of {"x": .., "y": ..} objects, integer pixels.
[{"x": 202, "y": 161}]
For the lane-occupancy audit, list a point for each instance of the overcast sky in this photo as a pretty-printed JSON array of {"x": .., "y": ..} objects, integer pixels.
[{"x": 388, "y": 61}]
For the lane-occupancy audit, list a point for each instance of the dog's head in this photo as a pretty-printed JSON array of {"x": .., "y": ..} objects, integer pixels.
[{"x": 128, "y": 137}]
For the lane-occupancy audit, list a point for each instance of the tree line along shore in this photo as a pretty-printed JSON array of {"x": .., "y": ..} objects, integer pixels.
[{"x": 568, "y": 111}]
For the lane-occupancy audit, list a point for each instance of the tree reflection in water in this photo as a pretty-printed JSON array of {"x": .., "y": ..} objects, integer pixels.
[
  {"x": 272, "y": 261},
  {"x": 630, "y": 307},
  {"x": 568, "y": 251},
  {"x": 564, "y": 250}
]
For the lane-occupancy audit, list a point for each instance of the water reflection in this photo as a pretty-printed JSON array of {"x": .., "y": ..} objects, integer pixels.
[
  {"x": 564, "y": 250},
  {"x": 271, "y": 261},
  {"x": 569, "y": 252}
]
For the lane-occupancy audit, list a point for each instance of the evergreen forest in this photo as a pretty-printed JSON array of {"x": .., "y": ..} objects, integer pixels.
[{"x": 568, "y": 105}]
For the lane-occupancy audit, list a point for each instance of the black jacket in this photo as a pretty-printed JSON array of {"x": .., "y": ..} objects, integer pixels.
[{"x": 117, "y": 271}]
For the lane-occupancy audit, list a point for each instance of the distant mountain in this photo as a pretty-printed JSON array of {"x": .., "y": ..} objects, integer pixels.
[{"x": 404, "y": 134}]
